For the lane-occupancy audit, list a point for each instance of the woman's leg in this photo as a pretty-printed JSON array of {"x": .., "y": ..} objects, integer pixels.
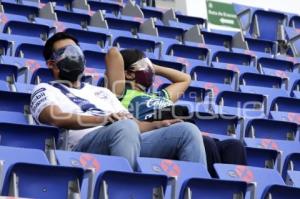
[
  {"x": 212, "y": 154},
  {"x": 232, "y": 151}
]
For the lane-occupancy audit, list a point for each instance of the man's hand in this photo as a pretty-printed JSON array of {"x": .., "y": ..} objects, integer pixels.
[
  {"x": 114, "y": 117},
  {"x": 149, "y": 126},
  {"x": 166, "y": 123}
]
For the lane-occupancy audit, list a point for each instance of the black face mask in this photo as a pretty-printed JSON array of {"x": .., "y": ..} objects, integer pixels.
[{"x": 70, "y": 61}]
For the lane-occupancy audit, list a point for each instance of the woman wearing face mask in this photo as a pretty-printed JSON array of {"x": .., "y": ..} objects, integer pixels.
[{"x": 129, "y": 75}]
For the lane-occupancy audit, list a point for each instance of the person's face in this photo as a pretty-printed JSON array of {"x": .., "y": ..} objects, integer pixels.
[
  {"x": 58, "y": 45},
  {"x": 141, "y": 73}
]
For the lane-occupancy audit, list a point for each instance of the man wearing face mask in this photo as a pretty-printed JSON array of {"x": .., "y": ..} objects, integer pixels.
[{"x": 95, "y": 119}]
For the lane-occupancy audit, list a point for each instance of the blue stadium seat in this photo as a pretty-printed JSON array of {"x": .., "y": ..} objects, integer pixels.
[
  {"x": 57, "y": 26},
  {"x": 26, "y": 66},
  {"x": 264, "y": 158},
  {"x": 129, "y": 42},
  {"x": 271, "y": 129},
  {"x": 115, "y": 171},
  {"x": 254, "y": 54},
  {"x": 90, "y": 37},
  {"x": 237, "y": 62},
  {"x": 269, "y": 32},
  {"x": 218, "y": 126},
  {"x": 16, "y": 102},
  {"x": 187, "y": 62},
  {"x": 170, "y": 32},
  {"x": 295, "y": 60},
  {"x": 112, "y": 32},
  {"x": 169, "y": 64},
  {"x": 295, "y": 21},
  {"x": 291, "y": 32},
  {"x": 94, "y": 76},
  {"x": 281, "y": 191},
  {"x": 264, "y": 46},
  {"x": 91, "y": 75},
  {"x": 218, "y": 76},
  {"x": 11, "y": 155},
  {"x": 162, "y": 42},
  {"x": 283, "y": 147},
  {"x": 121, "y": 184},
  {"x": 190, "y": 52},
  {"x": 194, "y": 94},
  {"x": 212, "y": 90},
  {"x": 8, "y": 72},
  {"x": 92, "y": 47},
  {"x": 293, "y": 40},
  {"x": 233, "y": 58},
  {"x": 25, "y": 9},
  {"x": 41, "y": 75},
  {"x": 291, "y": 163},
  {"x": 247, "y": 105},
  {"x": 269, "y": 93},
  {"x": 180, "y": 26},
  {"x": 123, "y": 24},
  {"x": 95, "y": 59},
  {"x": 193, "y": 97},
  {"x": 282, "y": 137},
  {"x": 259, "y": 80},
  {"x": 108, "y": 6},
  {"x": 28, "y": 136},
  {"x": 19, "y": 25},
  {"x": 99, "y": 163},
  {"x": 81, "y": 17},
  {"x": 197, "y": 188},
  {"x": 24, "y": 88},
  {"x": 275, "y": 66},
  {"x": 179, "y": 170},
  {"x": 34, "y": 181},
  {"x": 30, "y": 51},
  {"x": 244, "y": 15},
  {"x": 13, "y": 117},
  {"x": 182, "y": 175},
  {"x": 191, "y": 20},
  {"x": 61, "y": 3},
  {"x": 262, "y": 177},
  {"x": 149, "y": 12},
  {"x": 218, "y": 38},
  {"x": 5, "y": 46},
  {"x": 294, "y": 178},
  {"x": 12, "y": 41},
  {"x": 4, "y": 86},
  {"x": 294, "y": 83},
  {"x": 285, "y": 109}
]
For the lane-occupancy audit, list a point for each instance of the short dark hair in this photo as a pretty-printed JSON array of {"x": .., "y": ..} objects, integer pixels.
[
  {"x": 131, "y": 56},
  {"x": 48, "y": 48}
]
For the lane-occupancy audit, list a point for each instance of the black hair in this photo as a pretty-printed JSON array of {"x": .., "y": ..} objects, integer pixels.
[
  {"x": 131, "y": 56},
  {"x": 48, "y": 48}
]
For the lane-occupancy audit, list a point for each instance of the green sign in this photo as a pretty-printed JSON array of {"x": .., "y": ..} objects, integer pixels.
[{"x": 219, "y": 13}]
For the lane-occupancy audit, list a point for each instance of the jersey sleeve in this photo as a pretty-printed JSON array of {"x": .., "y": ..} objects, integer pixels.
[
  {"x": 163, "y": 93},
  {"x": 41, "y": 97}
]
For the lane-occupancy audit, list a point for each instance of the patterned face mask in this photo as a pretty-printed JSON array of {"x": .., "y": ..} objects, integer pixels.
[
  {"x": 144, "y": 72},
  {"x": 70, "y": 61}
]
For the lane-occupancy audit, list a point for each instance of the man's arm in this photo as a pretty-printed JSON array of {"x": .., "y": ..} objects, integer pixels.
[
  {"x": 180, "y": 81},
  {"x": 53, "y": 115},
  {"x": 115, "y": 71}
]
